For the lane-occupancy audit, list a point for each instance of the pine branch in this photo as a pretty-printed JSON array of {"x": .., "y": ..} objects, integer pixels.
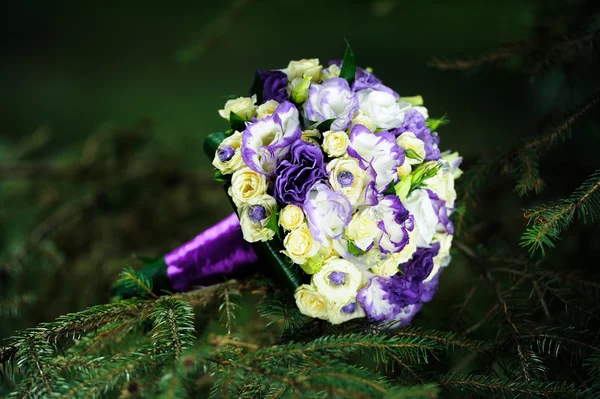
[
  {"x": 173, "y": 326},
  {"x": 546, "y": 222},
  {"x": 131, "y": 278},
  {"x": 228, "y": 307}
]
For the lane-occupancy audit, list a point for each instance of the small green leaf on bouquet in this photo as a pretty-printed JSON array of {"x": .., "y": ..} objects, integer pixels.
[
  {"x": 433, "y": 123},
  {"x": 403, "y": 187},
  {"x": 325, "y": 125},
  {"x": 422, "y": 173},
  {"x": 237, "y": 122},
  {"x": 300, "y": 93},
  {"x": 354, "y": 250},
  {"x": 414, "y": 100},
  {"x": 348, "y": 70},
  {"x": 211, "y": 143},
  {"x": 412, "y": 154},
  {"x": 273, "y": 225},
  {"x": 391, "y": 190},
  {"x": 220, "y": 177}
]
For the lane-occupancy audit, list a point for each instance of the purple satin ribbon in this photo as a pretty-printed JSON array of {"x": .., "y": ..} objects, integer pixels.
[{"x": 218, "y": 251}]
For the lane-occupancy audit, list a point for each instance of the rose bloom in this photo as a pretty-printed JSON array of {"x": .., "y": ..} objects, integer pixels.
[
  {"x": 310, "y": 67},
  {"x": 241, "y": 106},
  {"x": 255, "y": 215},
  {"x": 310, "y": 302},
  {"x": 266, "y": 109},
  {"x": 338, "y": 280},
  {"x": 335, "y": 143},
  {"x": 245, "y": 185},
  {"x": 300, "y": 245},
  {"x": 291, "y": 217},
  {"x": 228, "y": 157}
]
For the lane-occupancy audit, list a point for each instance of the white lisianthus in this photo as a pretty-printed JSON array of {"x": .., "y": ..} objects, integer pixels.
[
  {"x": 310, "y": 67},
  {"x": 442, "y": 184},
  {"x": 409, "y": 141},
  {"x": 266, "y": 109},
  {"x": 300, "y": 245},
  {"x": 363, "y": 229},
  {"x": 382, "y": 107},
  {"x": 362, "y": 119},
  {"x": 454, "y": 160},
  {"x": 335, "y": 143},
  {"x": 228, "y": 157},
  {"x": 420, "y": 206},
  {"x": 311, "y": 136},
  {"x": 310, "y": 302},
  {"x": 255, "y": 215},
  {"x": 339, "y": 313},
  {"x": 389, "y": 267},
  {"x": 332, "y": 72},
  {"x": 422, "y": 110},
  {"x": 347, "y": 177},
  {"x": 291, "y": 217},
  {"x": 245, "y": 185},
  {"x": 405, "y": 169},
  {"x": 338, "y": 280},
  {"x": 243, "y": 106}
]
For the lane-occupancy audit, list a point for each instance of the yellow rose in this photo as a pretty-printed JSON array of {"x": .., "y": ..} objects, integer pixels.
[
  {"x": 245, "y": 185},
  {"x": 266, "y": 109},
  {"x": 310, "y": 302},
  {"x": 291, "y": 217},
  {"x": 300, "y": 245},
  {"x": 335, "y": 143},
  {"x": 362, "y": 119},
  {"x": 242, "y": 106},
  {"x": 228, "y": 157}
]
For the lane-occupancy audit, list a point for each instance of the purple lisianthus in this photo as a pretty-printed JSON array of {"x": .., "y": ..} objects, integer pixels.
[
  {"x": 419, "y": 267},
  {"x": 274, "y": 85},
  {"x": 395, "y": 224},
  {"x": 327, "y": 212},
  {"x": 333, "y": 99},
  {"x": 429, "y": 288},
  {"x": 395, "y": 298},
  {"x": 267, "y": 141},
  {"x": 378, "y": 151},
  {"x": 439, "y": 206},
  {"x": 366, "y": 80},
  {"x": 414, "y": 122},
  {"x": 298, "y": 172}
]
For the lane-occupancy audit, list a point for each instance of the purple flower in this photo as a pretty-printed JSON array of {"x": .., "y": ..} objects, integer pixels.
[
  {"x": 327, "y": 212},
  {"x": 268, "y": 140},
  {"x": 429, "y": 288},
  {"x": 414, "y": 122},
  {"x": 395, "y": 224},
  {"x": 378, "y": 151},
  {"x": 298, "y": 173},
  {"x": 421, "y": 264},
  {"x": 395, "y": 298},
  {"x": 333, "y": 99},
  {"x": 442, "y": 212},
  {"x": 274, "y": 85},
  {"x": 366, "y": 80}
]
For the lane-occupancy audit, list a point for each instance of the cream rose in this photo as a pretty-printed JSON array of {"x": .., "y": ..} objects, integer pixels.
[
  {"x": 291, "y": 217},
  {"x": 242, "y": 106},
  {"x": 332, "y": 72},
  {"x": 361, "y": 119},
  {"x": 228, "y": 157},
  {"x": 335, "y": 143},
  {"x": 338, "y": 280},
  {"x": 363, "y": 230},
  {"x": 245, "y": 185},
  {"x": 346, "y": 176},
  {"x": 299, "y": 245},
  {"x": 311, "y": 136},
  {"x": 255, "y": 215},
  {"x": 266, "y": 109},
  {"x": 339, "y": 313},
  {"x": 310, "y": 302},
  {"x": 408, "y": 141},
  {"x": 310, "y": 67}
]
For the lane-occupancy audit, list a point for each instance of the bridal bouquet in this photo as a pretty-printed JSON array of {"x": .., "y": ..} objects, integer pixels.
[{"x": 343, "y": 179}]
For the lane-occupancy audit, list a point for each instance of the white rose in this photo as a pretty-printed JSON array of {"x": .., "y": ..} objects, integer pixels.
[
  {"x": 338, "y": 280},
  {"x": 228, "y": 157},
  {"x": 332, "y": 72},
  {"x": 442, "y": 184},
  {"x": 420, "y": 206},
  {"x": 363, "y": 229},
  {"x": 310, "y": 302},
  {"x": 310, "y": 67},
  {"x": 255, "y": 215},
  {"x": 362, "y": 119},
  {"x": 339, "y": 313},
  {"x": 300, "y": 245},
  {"x": 335, "y": 143},
  {"x": 422, "y": 110},
  {"x": 266, "y": 109},
  {"x": 245, "y": 185},
  {"x": 311, "y": 136},
  {"x": 389, "y": 266},
  {"x": 381, "y": 107},
  {"x": 242, "y": 106},
  {"x": 347, "y": 177},
  {"x": 291, "y": 217},
  {"x": 408, "y": 141}
]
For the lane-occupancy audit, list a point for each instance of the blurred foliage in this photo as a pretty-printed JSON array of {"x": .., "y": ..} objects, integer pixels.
[{"x": 76, "y": 207}]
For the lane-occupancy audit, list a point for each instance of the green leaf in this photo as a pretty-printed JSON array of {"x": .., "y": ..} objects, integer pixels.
[
  {"x": 403, "y": 187},
  {"x": 273, "y": 225},
  {"x": 391, "y": 190},
  {"x": 325, "y": 125},
  {"x": 433, "y": 123},
  {"x": 414, "y": 100},
  {"x": 220, "y": 177},
  {"x": 354, "y": 250},
  {"x": 300, "y": 93},
  {"x": 237, "y": 122},
  {"x": 211, "y": 143},
  {"x": 257, "y": 88},
  {"x": 348, "y": 70},
  {"x": 412, "y": 154}
]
